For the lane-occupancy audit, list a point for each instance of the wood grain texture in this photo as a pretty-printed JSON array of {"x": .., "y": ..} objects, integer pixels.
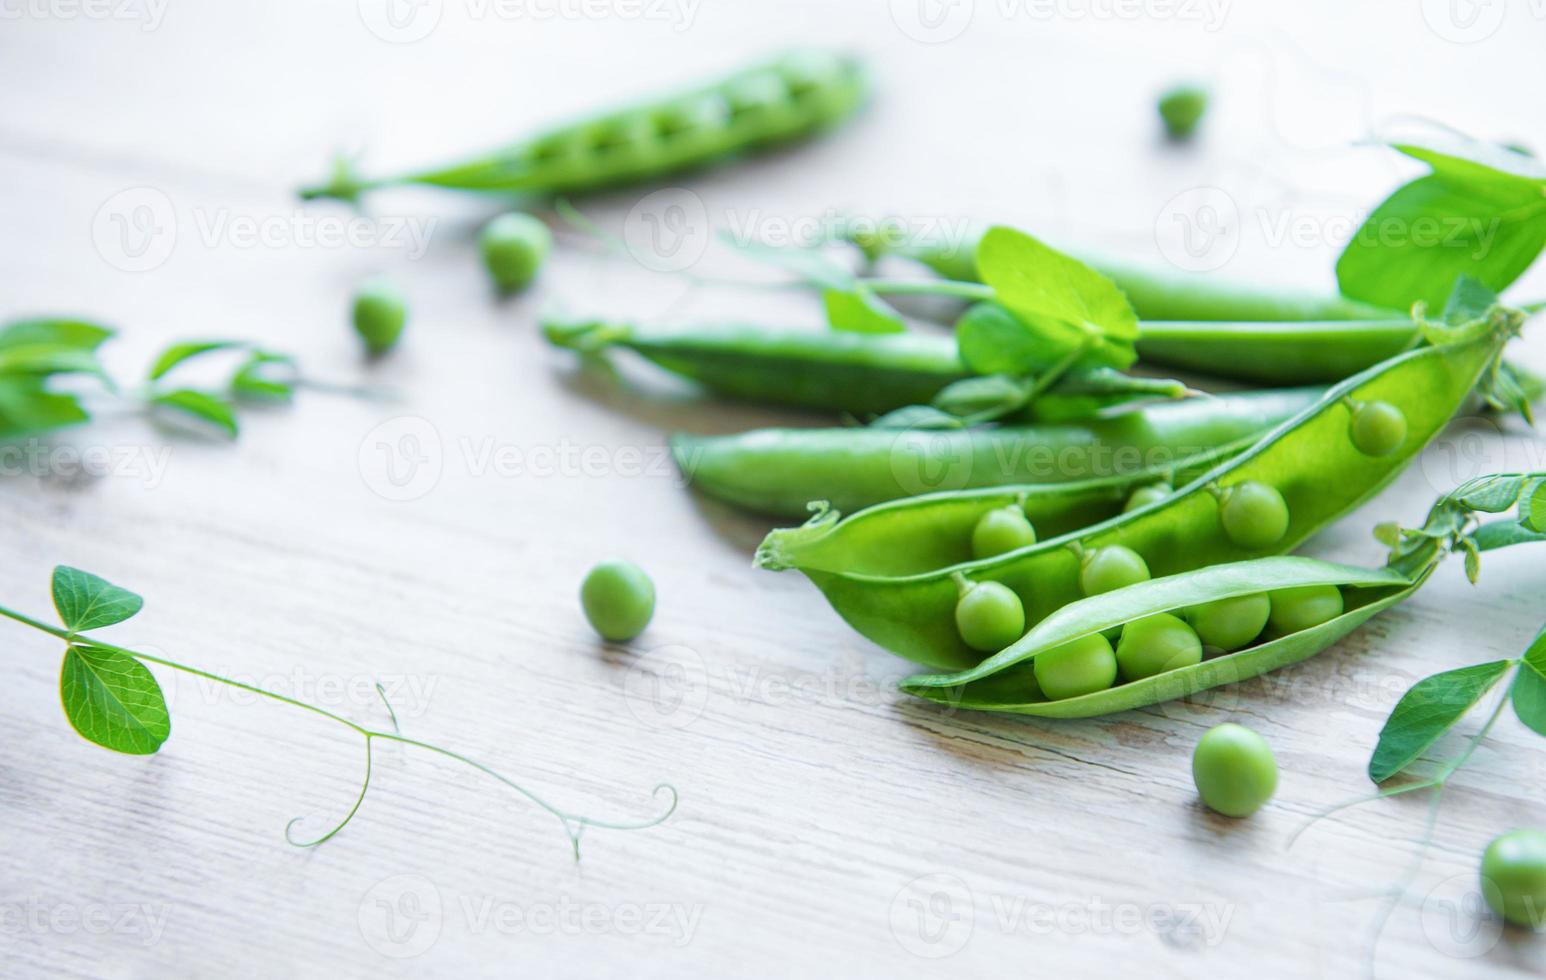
[{"x": 827, "y": 825}]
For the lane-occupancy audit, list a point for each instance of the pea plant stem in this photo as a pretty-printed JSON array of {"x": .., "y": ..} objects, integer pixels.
[
  {"x": 929, "y": 287},
  {"x": 573, "y": 824}
]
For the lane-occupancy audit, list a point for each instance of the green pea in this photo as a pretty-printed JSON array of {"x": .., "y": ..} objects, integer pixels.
[
  {"x": 1001, "y": 530},
  {"x": 380, "y": 312},
  {"x": 618, "y": 599},
  {"x": 1378, "y": 428},
  {"x": 514, "y": 247},
  {"x": 1144, "y": 496},
  {"x": 990, "y": 616},
  {"x": 1514, "y": 877},
  {"x": 1229, "y": 624},
  {"x": 1154, "y": 644},
  {"x": 1111, "y": 567},
  {"x": 1181, "y": 109},
  {"x": 1304, "y": 607},
  {"x": 1234, "y": 770},
  {"x": 1081, "y": 666},
  {"x": 1254, "y": 515}
]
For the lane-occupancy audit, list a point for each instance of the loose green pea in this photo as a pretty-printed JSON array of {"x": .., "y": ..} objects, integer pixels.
[
  {"x": 1181, "y": 109},
  {"x": 1081, "y": 666},
  {"x": 514, "y": 247},
  {"x": 1304, "y": 607},
  {"x": 1154, "y": 644},
  {"x": 380, "y": 312},
  {"x": 1229, "y": 624},
  {"x": 1514, "y": 877},
  {"x": 1001, "y": 530},
  {"x": 1234, "y": 770},
  {"x": 1378, "y": 428},
  {"x": 1144, "y": 496},
  {"x": 1254, "y": 515},
  {"x": 990, "y": 616},
  {"x": 1111, "y": 567},
  {"x": 618, "y": 599}
]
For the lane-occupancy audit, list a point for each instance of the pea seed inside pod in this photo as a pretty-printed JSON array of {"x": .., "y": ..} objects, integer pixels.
[
  {"x": 1156, "y": 644},
  {"x": 1075, "y": 668},
  {"x": 1377, "y": 428},
  {"x": 989, "y": 616},
  {"x": 1111, "y": 567},
  {"x": 1254, "y": 515},
  {"x": 1001, "y": 530},
  {"x": 1144, "y": 496},
  {"x": 1229, "y": 624},
  {"x": 1304, "y": 607}
]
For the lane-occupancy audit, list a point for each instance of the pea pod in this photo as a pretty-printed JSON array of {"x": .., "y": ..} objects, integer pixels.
[
  {"x": 793, "y": 96},
  {"x": 779, "y": 471},
  {"x": 920, "y": 534},
  {"x": 833, "y": 370},
  {"x": 1310, "y": 461},
  {"x": 1275, "y": 353},
  {"x": 1005, "y": 681}
]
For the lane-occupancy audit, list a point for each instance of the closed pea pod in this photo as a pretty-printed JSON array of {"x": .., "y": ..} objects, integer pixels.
[{"x": 1309, "y": 461}]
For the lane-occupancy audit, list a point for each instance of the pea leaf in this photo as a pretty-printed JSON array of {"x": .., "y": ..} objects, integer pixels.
[
  {"x": 113, "y": 700},
  {"x": 1490, "y": 494},
  {"x": 1414, "y": 246},
  {"x": 76, "y": 334},
  {"x": 1477, "y": 164},
  {"x": 252, "y": 381},
  {"x": 40, "y": 359},
  {"x": 992, "y": 341},
  {"x": 1529, "y": 691},
  {"x": 26, "y": 405},
  {"x": 1060, "y": 297},
  {"x": 200, "y": 405},
  {"x": 1532, "y": 506},
  {"x": 85, "y": 601},
  {"x": 1503, "y": 534},
  {"x": 177, "y": 353},
  {"x": 1425, "y": 712},
  {"x": 861, "y": 311}
]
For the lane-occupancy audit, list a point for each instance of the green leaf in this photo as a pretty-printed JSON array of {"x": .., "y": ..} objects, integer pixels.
[
  {"x": 201, "y": 405},
  {"x": 1491, "y": 494},
  {"x": 861, "y": 311},
  {"x": 113, "y": 700},
  {"x": 251, "y": 381},
  {"x": 177, "y": 353},
  {"x": 1424, "y": 713},
  {"x": 26, "y": 405},
  {"x": 1415, "y": 245},
  {"x": 1471, "y": 299},
  {"x": 41, "y": 359},
  {"x": 53, "y": 332},
  {"x": 1071, "y": 304},
  {"x": 1529, "y": 691},
  {"x": 992, "y": 341},
  {"x": 1482, "y": 166},
  {"x": 86, "y": 601},
  {"x": 1532, "y": 507},
  {"x": 1503, "y": 534}
]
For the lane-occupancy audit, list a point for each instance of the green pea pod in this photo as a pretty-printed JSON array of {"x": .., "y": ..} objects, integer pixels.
[
  {"x": 779, "y": 471},
  {"x": 835, "y": 370},
  {"x": 791, "y": 97},
  {"x": 1310, "y": 460},
  {"x": 920, "y": 534},
  {"x": 1276, "y": 353},
  {"x": 1004, "y": 681}
]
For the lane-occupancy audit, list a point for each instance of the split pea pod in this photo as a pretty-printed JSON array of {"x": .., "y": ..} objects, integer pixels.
[
  {"x": 1312, "y": 469},
  {"x": 1008, "y": 682},
  {"x": 832, "y": 370},
  {"x": 780, "y": 471},
  {"x": 788, "y": 98}
]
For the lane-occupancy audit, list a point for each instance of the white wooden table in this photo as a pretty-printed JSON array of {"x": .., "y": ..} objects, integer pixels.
[{"x": 828, "y": 825}]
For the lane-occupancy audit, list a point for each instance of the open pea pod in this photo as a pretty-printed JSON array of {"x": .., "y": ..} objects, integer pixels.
[
  {"x": 921, "y": 534},
  {"x": 1004, "y": 682},
  {"x": 1311, "y": 460}
]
